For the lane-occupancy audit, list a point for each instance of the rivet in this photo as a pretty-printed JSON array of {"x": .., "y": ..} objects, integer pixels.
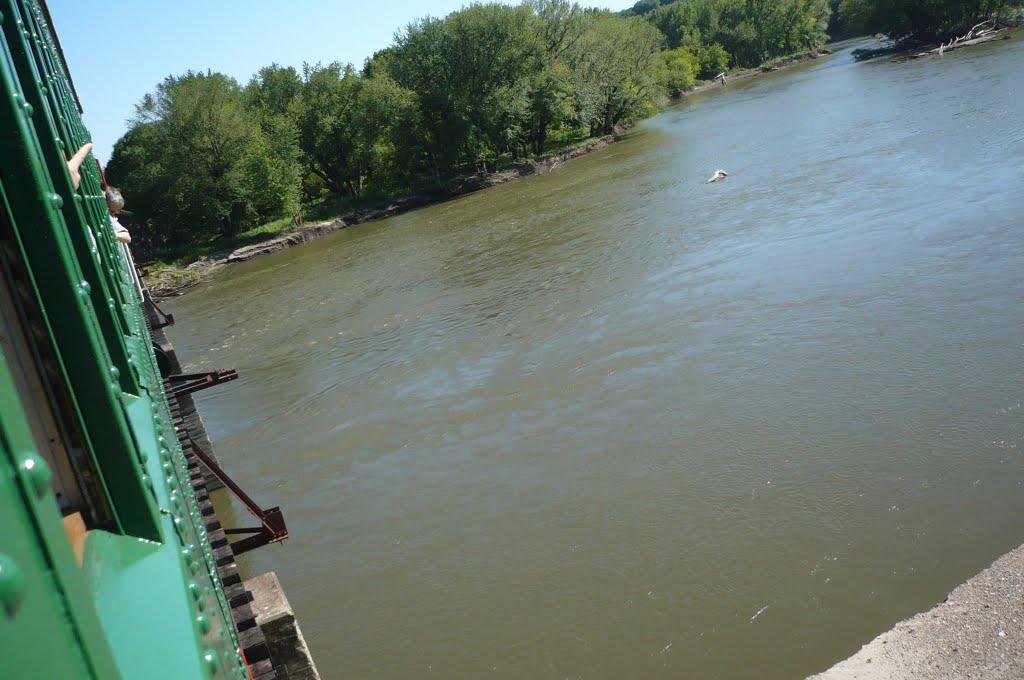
[
  {"x": 37, "y": 472},
  {"x": 203, "y": 623},
  {"x": 114, "y": 372},
  {"x": 212, "y": 660},
  {"x": 165, "y": 454},
  {"x": 12, "y": 584},
  {"x": 172, "y": 481},
  {"x": 28, "y": 109},
  {"x": 84, "y": 286},
  {"x": 168, "y": 468},
  {"x": 201, "y": 603},
  {"x": 56, "y": 201}
]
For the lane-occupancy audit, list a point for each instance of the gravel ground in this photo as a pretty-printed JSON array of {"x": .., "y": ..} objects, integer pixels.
[{"x": 977, "y": 632}]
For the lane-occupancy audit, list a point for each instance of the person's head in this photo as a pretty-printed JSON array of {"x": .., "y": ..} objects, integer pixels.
[{"x": 114, "y": 200}]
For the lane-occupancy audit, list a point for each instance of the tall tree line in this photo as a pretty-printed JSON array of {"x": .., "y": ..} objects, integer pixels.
[
  {"x": 920, "y": 20},
  {"x": 206, "y": 156},
  {"x": 740, "y": 32}
]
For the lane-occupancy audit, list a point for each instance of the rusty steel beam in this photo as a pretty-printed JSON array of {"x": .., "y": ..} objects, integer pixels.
[
  {"x": 273, "y": 529},
  {"x": 193, "y": 382}
]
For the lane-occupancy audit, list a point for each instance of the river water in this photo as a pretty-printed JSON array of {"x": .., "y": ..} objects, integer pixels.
[{"x": 613, "y": 422}]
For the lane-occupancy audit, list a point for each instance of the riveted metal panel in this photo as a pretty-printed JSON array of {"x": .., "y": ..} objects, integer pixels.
[{"x": 146, "y": 601}]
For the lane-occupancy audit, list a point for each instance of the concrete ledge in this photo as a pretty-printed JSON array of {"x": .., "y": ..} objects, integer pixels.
[
  {"x": 274, "y": 615},
  {"x": 976, "y": 632}
]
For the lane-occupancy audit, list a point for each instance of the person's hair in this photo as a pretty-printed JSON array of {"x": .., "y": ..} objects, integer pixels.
[{"x": 114, "y": 199}]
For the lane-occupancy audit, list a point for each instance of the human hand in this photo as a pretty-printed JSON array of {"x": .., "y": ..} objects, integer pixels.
[{"x": 76, "y": 162}]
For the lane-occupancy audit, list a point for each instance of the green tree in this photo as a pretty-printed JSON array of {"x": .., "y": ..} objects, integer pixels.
[
  {"x": 386, "y": 132},
  {"x": 326, "y": 126},
  {"x": 274, "y": 97},
  {"x": 136, "y": 168},
  {"x": 471, "y": 72},
  {"x": 353, "y": 128},
  {"x": 185, "y": 165},
  {"x": 680, "y": 70},
  {"x": 919, "y": 19},
  {"x": 561, "y": 26},
  {"x": 614, "y": 70},
  {"x": 712, "y": 60}
]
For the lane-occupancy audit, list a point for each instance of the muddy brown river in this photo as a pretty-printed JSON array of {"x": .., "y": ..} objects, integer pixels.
[{"x": 611, "y": 422}]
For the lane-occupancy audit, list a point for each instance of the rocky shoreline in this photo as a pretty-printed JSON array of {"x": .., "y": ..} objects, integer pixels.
[{"x": 172, "y": 282}]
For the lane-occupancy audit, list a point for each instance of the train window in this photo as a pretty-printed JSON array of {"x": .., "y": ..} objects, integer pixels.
[{"x": 39, "y": 380}]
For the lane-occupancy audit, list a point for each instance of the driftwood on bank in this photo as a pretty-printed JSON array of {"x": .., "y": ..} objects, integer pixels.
[{"x": 986, "y": 31}]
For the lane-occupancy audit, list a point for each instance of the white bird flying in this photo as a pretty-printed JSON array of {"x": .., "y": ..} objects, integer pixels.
[{"x": 719, "y": 175}]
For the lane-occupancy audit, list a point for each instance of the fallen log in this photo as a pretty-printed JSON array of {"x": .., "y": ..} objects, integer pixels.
[{"x": 964, "y": 41}]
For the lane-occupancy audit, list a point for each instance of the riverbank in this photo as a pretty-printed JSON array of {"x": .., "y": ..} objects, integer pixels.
[
  {"x": 760, "y": 70},
  {"x": 166, "y": 281},
  {"x": 976, "y": 632}
]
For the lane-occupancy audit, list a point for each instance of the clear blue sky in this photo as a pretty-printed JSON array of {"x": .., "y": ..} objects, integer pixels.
[{"x": 118, "y": 50}]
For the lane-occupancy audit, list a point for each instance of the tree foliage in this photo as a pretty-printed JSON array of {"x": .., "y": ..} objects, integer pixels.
[
  {"x": 681, "y": 67},
  {"x": 195, "y": 162},
  {"x": 612, "y": 70},
  {"x": 921, "y": 19}
]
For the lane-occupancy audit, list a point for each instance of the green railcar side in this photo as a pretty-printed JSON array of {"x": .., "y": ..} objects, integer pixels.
[{"x": 85, "y": 428}]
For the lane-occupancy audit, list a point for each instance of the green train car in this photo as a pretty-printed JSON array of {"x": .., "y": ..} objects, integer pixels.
[{"x": 106, "y": 569}]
